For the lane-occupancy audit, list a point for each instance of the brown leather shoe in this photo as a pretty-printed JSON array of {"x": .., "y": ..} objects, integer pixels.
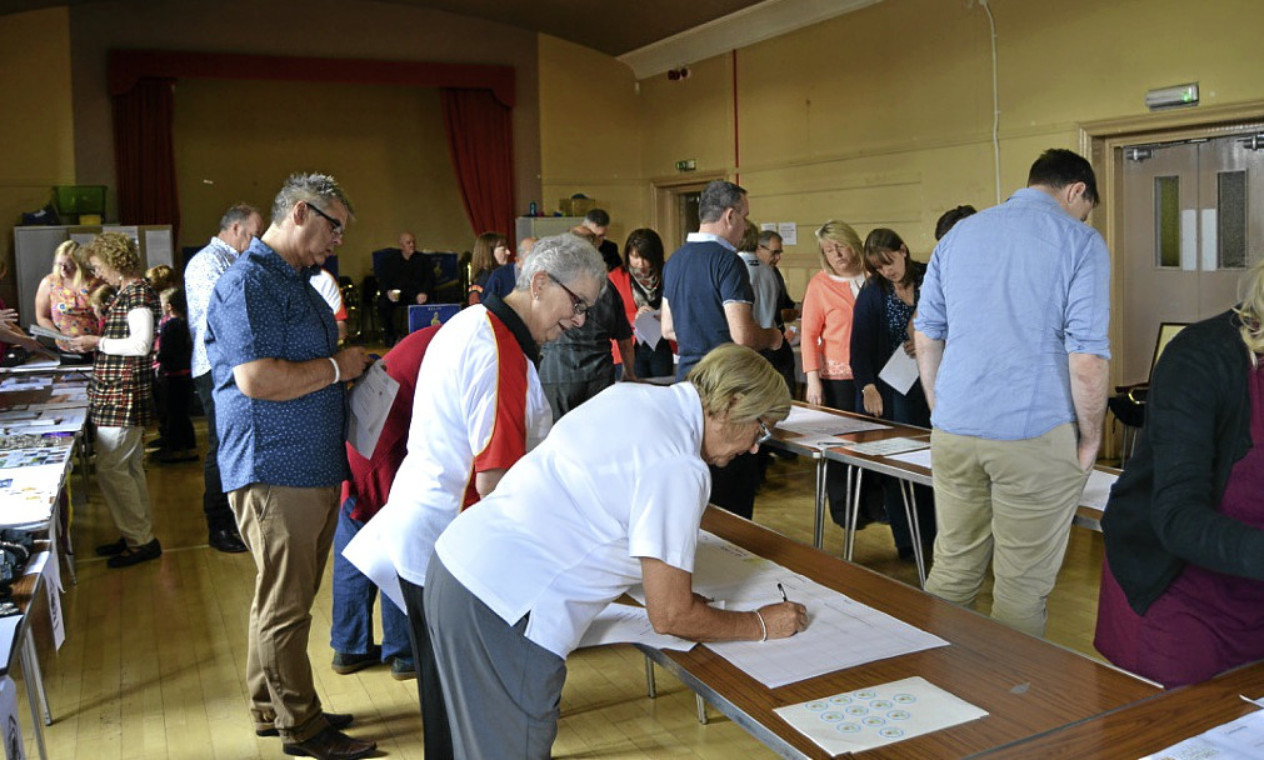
[
  {"x": 335, "y": 720},
  {"x": 330, "y": 744}
]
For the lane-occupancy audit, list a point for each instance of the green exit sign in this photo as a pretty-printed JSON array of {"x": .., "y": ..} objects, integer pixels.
[{"x": 687, "y": 165}]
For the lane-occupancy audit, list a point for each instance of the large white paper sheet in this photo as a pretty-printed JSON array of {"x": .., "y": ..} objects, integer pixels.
[
  {"x": 371, "y": 400},
  {"x": 900, "y": 371},
  {"x": 820, "y": 428},
  {"x": 745, "y": 581},
  {"x": 889, "y": 446},
  {"x": 921, "y": 458},
  {"x": 1241, "y": 739},
  {"x": 855, "y": 721},
  {"x": 625, "y": 624}
]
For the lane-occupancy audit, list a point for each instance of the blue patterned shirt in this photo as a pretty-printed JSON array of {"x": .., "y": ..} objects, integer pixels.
[{"x": 263, "y": 308}]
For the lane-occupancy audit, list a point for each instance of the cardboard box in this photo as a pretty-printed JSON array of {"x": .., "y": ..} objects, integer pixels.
[{"x": 576, "y": 206}]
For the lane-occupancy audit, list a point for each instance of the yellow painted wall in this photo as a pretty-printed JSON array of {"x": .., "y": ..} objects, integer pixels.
[
  {"x": 37, "y": 151},
  {"x": 590, "y": 133},
  {"x": 385, "y": 144}
]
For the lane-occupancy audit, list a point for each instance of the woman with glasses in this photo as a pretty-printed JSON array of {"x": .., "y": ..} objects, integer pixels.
[
  {"x": 478, "y": 407},
  {"x": 491, "y": 250},
  {"x": 61, "y": 302},
  {"x": 120, "y": 400},
  {"x": 515, "y": 582}
]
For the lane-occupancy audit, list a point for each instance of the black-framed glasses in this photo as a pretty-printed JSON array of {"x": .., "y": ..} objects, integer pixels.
[
  {"x": 335, "y": 226},
  {"x": 764, "y": 432},
  {"x": 580, "y": 306}
]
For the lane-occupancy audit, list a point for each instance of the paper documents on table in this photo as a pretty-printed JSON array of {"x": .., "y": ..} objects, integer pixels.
[
  {"x": 1241, "y": 738},
  {"x": 745, "y": 581},
  {"x": 900, "y": 371},
  {"x": 888, "y": 446},
  {"x": 625, "y": 624},
  {"x": 648, "y": 328},
  {"x": 921, "y": 458},
  {"x": 855, "y": 721},
  {"x": 1097, "y": 489},
  {"x": 820, "y": 429},
  {"x": 371, "y": 399}
]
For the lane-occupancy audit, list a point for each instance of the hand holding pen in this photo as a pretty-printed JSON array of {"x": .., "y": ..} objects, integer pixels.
[{"x": 783, "y": 619}]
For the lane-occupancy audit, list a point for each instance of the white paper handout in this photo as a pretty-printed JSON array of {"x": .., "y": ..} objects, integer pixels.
[
  {"x": 1097, "y": 489},
  {"x": 855, "y": 721},
  {"x": 1241, "y": 738},
  {"x": 888, "y": 446},
  {"x": 648, "y": 329},
  {"x": 900, "y": 371},
  {"x": 370, "y": 403},
  {"x": 820, "y": 428},
  {"x": 625, "y": 624},
  {"x": 746, "y": 581},
  {"x": 920, "y": 458}
]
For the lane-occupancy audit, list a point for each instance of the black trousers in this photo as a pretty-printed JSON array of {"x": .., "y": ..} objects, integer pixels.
[
  {"x": 219, "y": 515},
  {"x": 733, "y": 486},
  {"x": 436, "y": 733},
  {"x": 176, "y": 427}
]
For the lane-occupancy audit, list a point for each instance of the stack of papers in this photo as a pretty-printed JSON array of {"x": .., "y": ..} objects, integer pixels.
[{"x": 822, "y": 429}]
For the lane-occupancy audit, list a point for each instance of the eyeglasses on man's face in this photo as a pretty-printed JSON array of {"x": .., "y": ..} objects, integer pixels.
[
  {"x": 335, "y": 226},
  {"x": 580, "y": 306}
]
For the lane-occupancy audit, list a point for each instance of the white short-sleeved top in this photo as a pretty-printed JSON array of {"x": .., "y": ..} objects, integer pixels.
[
  {"x": 478, "y": 406},
  {"x": 620, "y": 478}
]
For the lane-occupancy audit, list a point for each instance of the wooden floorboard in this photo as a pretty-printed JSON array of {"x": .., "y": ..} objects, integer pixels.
[{"x": 154, "y": 661}]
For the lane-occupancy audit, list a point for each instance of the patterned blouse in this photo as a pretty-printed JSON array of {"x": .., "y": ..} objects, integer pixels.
[
  {"x": 121, "y": 394},
  {"x": 71, "y": 313}
]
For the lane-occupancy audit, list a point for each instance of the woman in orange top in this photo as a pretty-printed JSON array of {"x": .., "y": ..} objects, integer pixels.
[{"x": 826, "y": 344}]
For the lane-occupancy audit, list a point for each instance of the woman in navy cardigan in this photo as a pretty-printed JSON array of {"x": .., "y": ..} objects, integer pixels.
[{"x": 881, "y": 326}]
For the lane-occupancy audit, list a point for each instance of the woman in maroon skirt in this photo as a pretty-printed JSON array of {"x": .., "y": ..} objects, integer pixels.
[{"x": 1182, "y": 595}]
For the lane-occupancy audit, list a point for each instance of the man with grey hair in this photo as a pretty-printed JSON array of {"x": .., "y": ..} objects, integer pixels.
[
  {"x": 478, "y": 409},
  {"x": 280, "y": 399},
  {"x": 597, "y": 221},
  {"x": 239, "y": 225},
  {"x": 707, "y": 300}
]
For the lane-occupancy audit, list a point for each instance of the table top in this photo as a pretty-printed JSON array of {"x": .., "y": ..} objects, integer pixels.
[
  {"x": 788, "y": 441},
  {"x": 1151, "y": 724},
  {"x": 1027, "y": 685}
]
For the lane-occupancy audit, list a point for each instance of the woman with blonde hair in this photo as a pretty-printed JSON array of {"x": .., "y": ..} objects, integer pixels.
[
  {"x": 61, "y": 302},
  {"x": 1182, "y": 595},
  {"x": 828, "y": 308},
  {"x": 491, "y": 250}
]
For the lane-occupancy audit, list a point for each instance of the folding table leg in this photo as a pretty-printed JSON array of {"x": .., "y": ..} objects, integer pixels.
[{"x": 651, "y": 688}]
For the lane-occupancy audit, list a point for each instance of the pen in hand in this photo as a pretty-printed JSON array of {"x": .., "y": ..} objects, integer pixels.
[{"x": 782, "y": 589}]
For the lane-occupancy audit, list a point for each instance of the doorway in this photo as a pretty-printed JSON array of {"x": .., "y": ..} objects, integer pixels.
[
  {"x": 1192, "y": 222},
  {"x": 676, "y": 208}
]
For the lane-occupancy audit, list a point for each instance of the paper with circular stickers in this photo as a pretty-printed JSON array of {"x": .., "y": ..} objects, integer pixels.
[{"x": 879, "y": 715}]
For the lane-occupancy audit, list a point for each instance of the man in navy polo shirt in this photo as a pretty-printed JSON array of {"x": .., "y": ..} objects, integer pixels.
[
  {"x": 707, "y": 301},
  {"x": 279, "y": 401}
]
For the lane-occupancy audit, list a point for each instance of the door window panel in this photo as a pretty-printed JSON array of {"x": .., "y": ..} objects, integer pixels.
[
  {"x": 1167, "y": 221},
  {"x": 1231, "y": 220}
]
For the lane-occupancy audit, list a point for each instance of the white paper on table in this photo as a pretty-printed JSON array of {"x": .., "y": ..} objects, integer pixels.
[
  {"x": 625, "y": 624},
  {"x": 1241, "y": 738},
  {"x": 889, "y": 446},
  {"x": 648, "y": 329},
  {"x": 814, "y": 422},
  {"x": 921, "y": 458},
  {"x": 371, "y": 400},
  {"x": 370, "y": 557},
  {"x": 42, "y": 564},
  {"x": 13, "y": 747},
  {"x": 1097, "y": 489},
  {"x": 855, "y": 721},
  {"x": 746, "y": 581},
  {"x": 900, "y": 371}
]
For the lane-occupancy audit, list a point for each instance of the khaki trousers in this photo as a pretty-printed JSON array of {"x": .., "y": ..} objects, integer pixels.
[
  {"x": 289, "y": 532},
  {"x": 1009, "y": 503},
  {"x": 121, "y": 476}
]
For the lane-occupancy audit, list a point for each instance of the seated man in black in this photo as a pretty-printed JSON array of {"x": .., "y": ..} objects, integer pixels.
[{"x": 404, "y": 277}]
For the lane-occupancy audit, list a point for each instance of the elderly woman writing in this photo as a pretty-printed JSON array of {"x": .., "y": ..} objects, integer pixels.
[
  {"x": 1182, "y": 595},
  {"x": 120, "y": 399},
  {"x": 515, "y": 582},
  {"x": 478, "y": 408}
]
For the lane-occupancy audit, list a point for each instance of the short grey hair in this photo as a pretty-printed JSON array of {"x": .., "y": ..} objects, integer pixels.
[
  {"x": 238, "y": 213},
  {"x": 565, "y": 257},
  {"x": 766, "y": 237},
  {"x": 303, "y": 187},
  {"x": 716, "y": 197}
]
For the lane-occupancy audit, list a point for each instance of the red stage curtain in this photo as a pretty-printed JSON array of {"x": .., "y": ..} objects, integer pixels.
[
  {"x": 144, "y": 154},
  {"x": 480, "y": 141}
]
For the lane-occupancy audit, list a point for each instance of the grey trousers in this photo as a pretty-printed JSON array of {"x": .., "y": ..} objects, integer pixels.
[{"x": 503, "y": 692}]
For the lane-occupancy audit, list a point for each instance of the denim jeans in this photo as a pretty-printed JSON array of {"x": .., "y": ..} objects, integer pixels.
[{"x": 351, "y": 631}]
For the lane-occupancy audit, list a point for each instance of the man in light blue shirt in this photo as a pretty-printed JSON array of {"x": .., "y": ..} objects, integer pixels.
[{"x": 1011, "y": 337}]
